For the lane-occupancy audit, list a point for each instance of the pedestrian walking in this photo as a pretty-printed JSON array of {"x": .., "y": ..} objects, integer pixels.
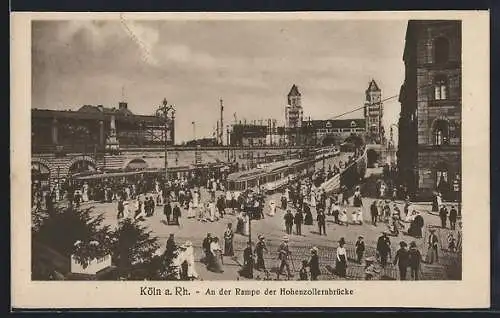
[
  {"x": 228, "y": 240},
  {"x": 374, "y": 212},
  {"x": 321, "y": 219},
  {"x": 284, "y": 256},
  {"x": 341, "y": 259},
  {"x": 453, "y": 217},
  {"x": 314, "y": 264},
  {"x": 260, "y": 248},
  {"x": 443, "y": 214},
  {"x": 414, "y": 260},
  {"x": 167, "y": 210},
  {"x": 298, "y": 220},
  {"x": 288, "y": 222},
  {"x": 432, "y": 247},
  {"x": 360, "y": 248},
  {"x": 383, "y": 248},
  {"x": 402, "y": 259}
]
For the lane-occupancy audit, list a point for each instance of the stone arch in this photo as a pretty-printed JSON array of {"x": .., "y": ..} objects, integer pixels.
[
  {"x": 135, "y": 163},
  {"x": 81, "y": 159},
  {"x": 42, "y": 162}
]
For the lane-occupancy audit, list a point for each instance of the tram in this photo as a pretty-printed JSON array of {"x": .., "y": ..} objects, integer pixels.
[
  {"x": 326, "y": 153},
  {"x": 270, "y": 177}
]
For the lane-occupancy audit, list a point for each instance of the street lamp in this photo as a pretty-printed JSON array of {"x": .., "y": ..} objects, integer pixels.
[{"x": 162, "y": 113}]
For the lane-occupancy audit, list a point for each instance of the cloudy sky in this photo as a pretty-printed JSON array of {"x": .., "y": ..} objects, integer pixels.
[{"x": 251, "y": 65}]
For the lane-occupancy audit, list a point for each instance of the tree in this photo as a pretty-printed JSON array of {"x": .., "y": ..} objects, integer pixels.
[
  {"x": 61, "y": 227},
  {"x": 70, "y": 231},
  {"x": 134, "y": 251}
]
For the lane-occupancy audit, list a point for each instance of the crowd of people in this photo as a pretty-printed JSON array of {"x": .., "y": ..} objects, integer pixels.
[{"x": 302, "y": 202}]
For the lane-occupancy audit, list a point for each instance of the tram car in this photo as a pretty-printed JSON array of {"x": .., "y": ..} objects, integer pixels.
[
  {"x": 326, "y": 153},
  {"x": 269, "y": 177}
]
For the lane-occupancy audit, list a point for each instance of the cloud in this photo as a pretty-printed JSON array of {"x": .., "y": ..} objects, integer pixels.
[{"x": 251, "y": 65}]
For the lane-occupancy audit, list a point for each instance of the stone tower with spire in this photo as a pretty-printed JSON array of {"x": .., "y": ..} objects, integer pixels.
[
  {"x": 293, "y": 110},
  {"x": 374, "y": 112}
]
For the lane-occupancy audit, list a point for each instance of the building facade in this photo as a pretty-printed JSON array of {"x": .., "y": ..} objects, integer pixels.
[
  {"x": 374, "y": 112},
  {"x": 95, "y": 128},
  {"x": 429, "y": 147},
  {"x": 335, "y": 132}
]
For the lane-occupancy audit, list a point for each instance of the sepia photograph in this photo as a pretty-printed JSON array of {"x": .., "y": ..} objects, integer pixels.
[{"x": 243, "y": 150}]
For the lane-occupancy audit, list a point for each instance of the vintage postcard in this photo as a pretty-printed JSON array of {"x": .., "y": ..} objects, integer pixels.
[{"x": 334, "y": 159}]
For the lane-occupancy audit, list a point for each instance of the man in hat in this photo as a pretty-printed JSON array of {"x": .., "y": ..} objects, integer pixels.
[
  {"x": 248, "y": 260},
  {"x": 443, "y": 215},
  {"x": 383, "y": 248},
  {"x": 167, "y": 210},
  {"x": 360, "y": 248},
  {"x": 314, "y": 264},
  {"x": 453, "y": 217},
  {"x": 284, "y": 255},
  {"x": 414, "y": 260},
  {"x": 260, "y": 247},
  {"x": 176, "y": 213},
  {"x": 432, "y": 252},
  {"x": 288, "y": 222},
  {"x": 298, "y": 219},
  {"x": 402, "y": 258},
  {"x": 374, "y": 212},
  {"x": 321, "y": 219}
]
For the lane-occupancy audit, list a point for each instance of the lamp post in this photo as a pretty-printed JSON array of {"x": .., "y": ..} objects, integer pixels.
[{"x": 163, "y": 112}]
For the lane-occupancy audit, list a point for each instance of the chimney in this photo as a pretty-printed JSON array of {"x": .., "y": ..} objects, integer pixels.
[{"x": 122, "y": 105}]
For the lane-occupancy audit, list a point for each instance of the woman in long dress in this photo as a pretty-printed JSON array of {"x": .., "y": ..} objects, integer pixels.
[
  {"x": 189, "y": 257},
  {"x": 272, "y": 208},
  {"x": 359, "y": 216},
  {"x": 212, "y": 211},
  {"x": 240, "y": 223},
  {"x": 439, "y": 200},
  {"x": 246, "y": 224},
  {"x": 215, "y": 262},
  {"x": 85, "y": 192},
  {"x": 190, "y": 212},
  {"x": 228, "y": 240},
  {"x": 341, "y": 259},
  {"x": 196, "y": 198},
  {"x": 126, "y": 209},
  {"x": 312, "y": 201}
]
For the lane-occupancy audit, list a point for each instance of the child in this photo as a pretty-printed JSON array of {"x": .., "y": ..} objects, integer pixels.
[{"x": 303, "y": 271}]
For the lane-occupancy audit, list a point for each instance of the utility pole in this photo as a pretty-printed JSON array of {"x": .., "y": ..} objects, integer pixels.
[
  {"x": 163, "y": 114},
  {"x": 221, "y": 136},
  {"x": 194, "y": 131}
]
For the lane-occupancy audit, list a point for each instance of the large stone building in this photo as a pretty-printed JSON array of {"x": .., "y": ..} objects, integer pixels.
[
  {"x": 374, "y": 112},
  {"x": 429, "y": 147}
]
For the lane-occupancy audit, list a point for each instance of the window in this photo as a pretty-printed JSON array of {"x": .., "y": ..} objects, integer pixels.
[
  {"x": 441, "y": 50},
  {"x": 440, "y": 132},
  {"x": 440, "y": 88},
  {"x": 441, "y": 177}
]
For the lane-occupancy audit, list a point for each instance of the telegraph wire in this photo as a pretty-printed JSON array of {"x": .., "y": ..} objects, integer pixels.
[{"x": 387, "y": 99}]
